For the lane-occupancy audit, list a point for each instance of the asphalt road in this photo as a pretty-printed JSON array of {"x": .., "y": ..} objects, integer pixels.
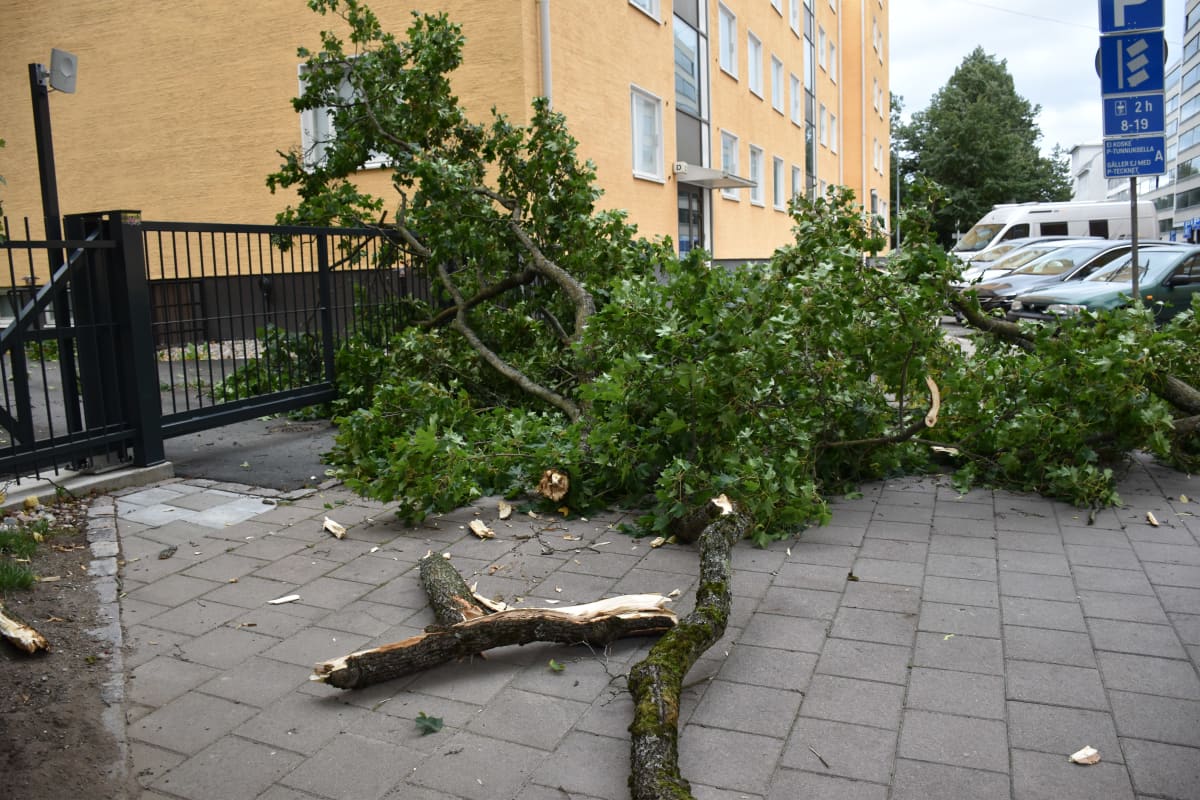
[{"x": 277, "y": 453}]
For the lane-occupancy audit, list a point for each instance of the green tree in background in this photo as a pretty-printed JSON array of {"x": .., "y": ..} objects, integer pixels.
[{"x": 979, "y": 142}]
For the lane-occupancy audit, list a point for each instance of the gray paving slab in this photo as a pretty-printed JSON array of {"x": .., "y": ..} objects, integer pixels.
[{"x": 985, "y": 638}]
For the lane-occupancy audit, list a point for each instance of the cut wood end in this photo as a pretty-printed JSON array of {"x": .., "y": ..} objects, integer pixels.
[
  {"x": 322, "y": 671},
  {"x": 335, "y": 528},
  {"x": 504, "y": 510},
  {"x": 481, "y": 530},
  {"x": 554, "y": 485},
  {"x": 1153, "y": 520},
  {"x": 724, "y": 503},
  {"x": 1087, "y": 756},
  {"x": 935, "y": 402}
]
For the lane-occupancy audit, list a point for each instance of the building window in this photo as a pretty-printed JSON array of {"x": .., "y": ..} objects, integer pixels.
[
  {"x": 797, "y": 101},
  {"x": 797, "y": 182},
  {"x": 687, "y": 68},
  {"x": 318, "y": 131},
  {"x": 727, "y": 23},
  {"x": 794, "y": 16},
  {"x": 877, "y": 36},
  {"x": 824, "y": 188},
  {"x": 821, "y": 47},
  {"x": 833, "y": 64},
  {"x": 756, "y": 175},
  {"x": 833, "y": 5},
  {"x": 776, "y": 84},
  {"x": 833, "y": 133},
  {"x": 754, "y": 62},
  {"x": 648, "y": 6},
  {"x": 778, "y": 190},
  {"x": 729, "y": 162},
  {"x": 875, "y": 92},
  {"x": 647, "y": 135},
  {"x": 778, "y": 6},
  {"x": 823, "y": 126}
]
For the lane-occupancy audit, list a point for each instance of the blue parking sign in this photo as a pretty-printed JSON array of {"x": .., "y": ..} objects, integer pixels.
[
  {"x": 1132, "y": 63},
  {"x": 1120, "y": 16}
]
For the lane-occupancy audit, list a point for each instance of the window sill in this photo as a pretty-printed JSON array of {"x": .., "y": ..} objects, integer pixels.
[
  {"x": 646, "y": 13},
  {"x": 780, "y": 110},
  {"x": 758, "y": 203},
  {"x": 728, "y": 72},
  {"x": 735, "y": 198},
  {"x": 757, "y": 93},
  {"x": 647, "y": 176}
]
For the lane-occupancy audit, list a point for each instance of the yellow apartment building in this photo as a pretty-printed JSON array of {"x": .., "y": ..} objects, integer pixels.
[{"x": 703, "y": 117}]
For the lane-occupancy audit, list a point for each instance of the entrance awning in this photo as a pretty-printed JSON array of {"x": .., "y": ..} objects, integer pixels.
[{"x": 709, "y": 178}]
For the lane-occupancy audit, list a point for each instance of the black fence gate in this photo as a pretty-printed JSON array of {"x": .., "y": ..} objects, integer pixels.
[{"x": 129, "y": 332}]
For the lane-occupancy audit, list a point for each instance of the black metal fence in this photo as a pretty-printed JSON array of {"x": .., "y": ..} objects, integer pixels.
[{"x": 128, "y": 331}]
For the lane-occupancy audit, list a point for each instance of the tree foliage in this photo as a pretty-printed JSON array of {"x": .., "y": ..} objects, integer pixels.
[
  {"x": 566, "y": 341},
  {"x": 978, "y": 140}
]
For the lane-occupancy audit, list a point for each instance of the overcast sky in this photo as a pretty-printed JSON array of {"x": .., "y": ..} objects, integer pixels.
[{"x": 1050, "y": 47}]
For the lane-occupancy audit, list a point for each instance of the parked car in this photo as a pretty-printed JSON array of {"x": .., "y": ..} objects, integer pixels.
[
  {"x": 1072, "y": 262},
  {"x": 1015, "y": 259},
  {"x": 1007, "y": 246},
  {"x": 1168, "y": 276}
]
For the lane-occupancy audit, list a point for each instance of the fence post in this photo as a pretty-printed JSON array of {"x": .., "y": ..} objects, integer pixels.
[
  {"x": 135, "y": 337},
  {"x": 325, "y": 291}
]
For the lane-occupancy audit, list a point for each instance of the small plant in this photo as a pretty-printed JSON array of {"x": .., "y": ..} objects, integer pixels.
[{"x": 14, "y": 576}]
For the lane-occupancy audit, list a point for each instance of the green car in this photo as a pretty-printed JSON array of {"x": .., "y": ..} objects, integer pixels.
[{"x": 1168, "y": 276}]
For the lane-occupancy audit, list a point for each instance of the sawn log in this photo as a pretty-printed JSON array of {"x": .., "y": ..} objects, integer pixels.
[{"x": 22, "y": 636}]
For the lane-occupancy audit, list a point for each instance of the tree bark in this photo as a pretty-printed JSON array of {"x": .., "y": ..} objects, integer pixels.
[
  {"x": 21, "y": 635},
  {"x": 657, "y": 682},
  {"x": 449, "y": 596},
  {"x": 596, "y": 624}
]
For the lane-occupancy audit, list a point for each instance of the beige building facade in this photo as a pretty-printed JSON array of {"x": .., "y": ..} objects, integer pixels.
[{"x": 703, "y": 117}]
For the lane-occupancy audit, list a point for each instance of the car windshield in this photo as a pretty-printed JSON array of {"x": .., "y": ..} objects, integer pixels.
[
  {"x": 978, "y": 238},
  {"x": 1019, "y": 258},
  {"x": 1058, "y": 261},
  {"x": 992, "y": 253},
  {"x": 1122, "y": 271}
]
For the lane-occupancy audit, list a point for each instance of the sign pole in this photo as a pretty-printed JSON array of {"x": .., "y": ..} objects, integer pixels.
[{"x": 1133, "y": 226}]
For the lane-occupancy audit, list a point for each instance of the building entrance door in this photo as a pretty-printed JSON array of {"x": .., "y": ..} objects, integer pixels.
[{"x": 691, "y": 218}]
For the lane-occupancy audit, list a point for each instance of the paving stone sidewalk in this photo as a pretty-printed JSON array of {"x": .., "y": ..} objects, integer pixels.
[{"x": 924, "y": 645}]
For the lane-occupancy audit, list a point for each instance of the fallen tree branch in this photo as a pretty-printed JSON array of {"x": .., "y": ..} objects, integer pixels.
[
  {"x": 449, "y": 596},
  {"x": 523, "y": 382},
  {"x": 657, "y": 682},
  {"x": 22, "y": 636},
  {"x": 524, "y": 278},
  {"x": 595, "y": 624},
  {"x": 1008, "y": 331}
]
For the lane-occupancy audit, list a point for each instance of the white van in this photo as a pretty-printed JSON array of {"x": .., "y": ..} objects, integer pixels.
[{"x": 1107, "y": 220}]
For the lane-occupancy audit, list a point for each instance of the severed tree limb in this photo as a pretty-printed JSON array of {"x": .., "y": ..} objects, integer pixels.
[
  {"x": 449, "y": 596},
  {"x": 487, "y": 293},
  {"x": 1008, "y": 331},
  {"x": 657, "y": 682},
  {"x": 19, "y": 634},
  {"x": 564, "y": 404},
  {"x": 596, "y": 624}
]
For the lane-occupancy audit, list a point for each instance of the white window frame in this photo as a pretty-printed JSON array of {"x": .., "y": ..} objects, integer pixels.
[
  {"x": 833, "y": 133},
  {"x": 754, "y": 63},
  {"x": 778, "y": 6},
  {"x": 777, "y": 90},
  {"x": 833, "y": 5},
  {"x": 833, "y": 64},
  {"x": 778, "y": 189},
  {"x": 647, "y": 7},
  {"x": 794, "y": 16},
  {"x": 875, "y": 93},
  {"x": 756, "y": 175},
  {"x": 797, "y": 181},
  {"x": 728, "y": 52},
  {"x": 316, "y": 123},
  {"x": 821, "y": 40},
  {"x": 797, "y": 109},
  {"x": 823, "y": 126},
  {"x": 655, "y": 173},
  {"x": 730, "y": 165}
]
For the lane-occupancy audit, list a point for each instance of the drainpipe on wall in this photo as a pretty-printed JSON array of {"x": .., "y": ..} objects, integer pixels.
[
  {"x": 862, "y": 97},
  {"x": 544, "y": 41}
]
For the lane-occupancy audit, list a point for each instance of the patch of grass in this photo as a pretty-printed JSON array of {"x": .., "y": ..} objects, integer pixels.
[
  {"x": 14, "y": 575},
  {"x": 17, "y": 543}
]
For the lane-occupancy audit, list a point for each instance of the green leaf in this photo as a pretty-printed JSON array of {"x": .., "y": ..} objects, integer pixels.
[
  {"x": 428, "y": 725},
  {"x": 555, "y": 666}
]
